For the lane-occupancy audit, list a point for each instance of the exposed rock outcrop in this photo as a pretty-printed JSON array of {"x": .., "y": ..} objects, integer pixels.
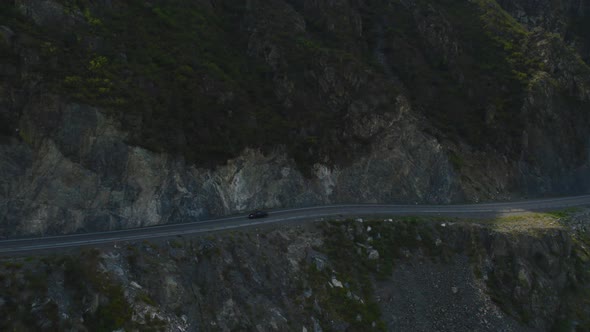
[{"x": 73, "y": 172}]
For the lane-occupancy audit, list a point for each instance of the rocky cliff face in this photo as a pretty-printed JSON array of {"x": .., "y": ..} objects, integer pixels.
[
  {"x": 74, "y": 172},
  {"x": 526, "y": 274},
  {"x": 127, "y": 114}
]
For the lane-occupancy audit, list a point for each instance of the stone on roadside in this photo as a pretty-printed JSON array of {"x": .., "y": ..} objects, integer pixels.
[
  {"x": 336, "y": 283},
  {"x": 373, "y": 255}
]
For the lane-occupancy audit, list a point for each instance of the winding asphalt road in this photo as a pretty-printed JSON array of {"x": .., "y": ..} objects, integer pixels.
[{"x": 44, "y": 244}]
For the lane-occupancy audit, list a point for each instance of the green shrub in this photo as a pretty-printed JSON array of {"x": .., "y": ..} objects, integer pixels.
[
  {"x": 15, "y": 265},
  {"x": 113, "y": 315}
]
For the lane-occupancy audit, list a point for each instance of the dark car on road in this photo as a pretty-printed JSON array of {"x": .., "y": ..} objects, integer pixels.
[{"x": 258, "y": 214}]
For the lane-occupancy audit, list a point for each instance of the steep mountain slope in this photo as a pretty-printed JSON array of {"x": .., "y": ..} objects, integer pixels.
[
  {"x": 531, "y": 273},
  {"x": 568, "y": 18},
  {"x": 120, "y": 114}
]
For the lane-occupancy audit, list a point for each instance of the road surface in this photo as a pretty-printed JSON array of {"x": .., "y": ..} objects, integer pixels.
[{"x": 44, "y": 244}]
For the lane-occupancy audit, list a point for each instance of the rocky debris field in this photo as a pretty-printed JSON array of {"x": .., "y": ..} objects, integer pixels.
[{"x": 353, "y": 275}]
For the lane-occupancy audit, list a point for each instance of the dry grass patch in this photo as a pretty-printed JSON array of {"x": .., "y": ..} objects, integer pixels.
[{"x": 529, "y": 223}]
